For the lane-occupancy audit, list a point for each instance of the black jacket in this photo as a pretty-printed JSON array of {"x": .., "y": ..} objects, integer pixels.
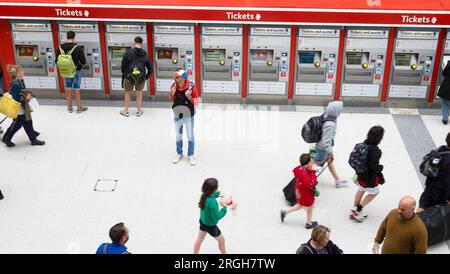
[
  {"x": 444, "y": 90},
  {"x": 136, "y": 54},
  {"x": 77, "y": 55},
  {"x": 437, "y": 190},
  {"x": 307, "y": 248},
  {"x": 374, "y": 168}
]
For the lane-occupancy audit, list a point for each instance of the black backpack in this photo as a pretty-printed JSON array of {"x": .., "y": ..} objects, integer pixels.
[
  {"x": 136, "y": 70},
  {"x": 358, "y": 158},
  {"x": 432, "y": 163},
  {"x": 312, "y": 129}
]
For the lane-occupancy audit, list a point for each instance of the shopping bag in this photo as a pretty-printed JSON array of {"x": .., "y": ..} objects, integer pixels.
[
  {"x": 34, "y": 104},
  {"x": 9, "y": 106}
]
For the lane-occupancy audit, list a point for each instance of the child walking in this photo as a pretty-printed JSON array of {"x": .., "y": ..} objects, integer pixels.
[
  {"x": 305, "y": 183},
  {"x": 210, "y": 215}
]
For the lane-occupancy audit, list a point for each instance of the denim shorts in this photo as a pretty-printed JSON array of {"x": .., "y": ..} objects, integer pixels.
[
  {"x": 321, "y": 156},
  {"x": 75, "y": 82}
]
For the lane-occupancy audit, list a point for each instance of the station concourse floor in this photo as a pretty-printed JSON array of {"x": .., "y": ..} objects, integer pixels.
[{"x": 50, "y": 205}]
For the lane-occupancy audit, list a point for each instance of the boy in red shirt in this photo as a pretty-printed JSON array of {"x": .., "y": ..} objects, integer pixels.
[{"x": 305, "y": 183}]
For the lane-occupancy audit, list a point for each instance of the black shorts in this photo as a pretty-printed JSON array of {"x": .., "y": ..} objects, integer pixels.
[{"x": 214, "y": 231}]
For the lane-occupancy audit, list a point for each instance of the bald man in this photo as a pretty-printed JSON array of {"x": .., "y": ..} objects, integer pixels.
[{"x": 402, "y": 231}]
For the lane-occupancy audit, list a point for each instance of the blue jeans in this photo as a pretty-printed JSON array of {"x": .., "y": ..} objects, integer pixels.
[
  {"x": 75, "y": 82},
  {"x": 321, "y": 156},
  {"x": 189, "y": 122},
  {"x": 445, "y": 105}
]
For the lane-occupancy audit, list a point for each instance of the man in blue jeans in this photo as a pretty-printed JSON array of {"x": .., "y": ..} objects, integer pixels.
[
  {"x": 73, "y": 83},
  {"x": 119, "y": 235},
  {"x": 184, "y": 96}
]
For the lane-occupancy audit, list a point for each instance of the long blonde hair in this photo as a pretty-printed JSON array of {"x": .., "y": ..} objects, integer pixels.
[{"x": 14, "y": 70}]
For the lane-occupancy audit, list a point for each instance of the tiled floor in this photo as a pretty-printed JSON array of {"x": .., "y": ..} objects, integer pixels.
[{"x": 51, "y": 205}]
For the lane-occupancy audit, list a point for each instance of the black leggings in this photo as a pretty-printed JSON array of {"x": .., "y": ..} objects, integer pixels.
[{"x": 16, "y": 125}]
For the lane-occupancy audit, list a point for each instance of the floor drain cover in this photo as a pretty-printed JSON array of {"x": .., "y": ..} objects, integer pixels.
[{"x": 105, "y": 185}]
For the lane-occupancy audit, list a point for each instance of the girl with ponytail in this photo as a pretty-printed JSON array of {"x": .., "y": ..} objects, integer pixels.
[{"x": 210, "y": 215}]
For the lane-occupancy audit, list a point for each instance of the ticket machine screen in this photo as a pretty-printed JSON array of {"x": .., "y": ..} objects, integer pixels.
[
  {"x": 262, "y": 55},
  {"x": 26, "y": 51},
  {"x": 354, "y": 58},
  {"x": 118, "y": 53},
  {"x": 212, "y": 55},
  {"x": 306, "y": 57},
  {"x": 165, "y": 54},
  {"x": 403, "y": 59}
]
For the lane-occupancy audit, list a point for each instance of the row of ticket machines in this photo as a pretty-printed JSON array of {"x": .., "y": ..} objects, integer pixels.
[{"x": 269, "y": 65}]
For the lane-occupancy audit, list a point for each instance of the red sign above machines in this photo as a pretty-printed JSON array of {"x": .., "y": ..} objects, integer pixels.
[
  {"x": 31, "y": 26},
  {"x": 126, "y": 28},
  {"x": 71, "y": 13},
  {"x": 218, "y": 14},
  {"x": 79, "y": 27},
  {"x": 332, "y": 33},
  {"x": 174, "y": 29}
]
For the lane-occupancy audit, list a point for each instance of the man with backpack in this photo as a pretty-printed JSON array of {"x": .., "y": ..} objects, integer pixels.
[
  {"x": 437, "y": 185},
  {"x": 119, "y": 235},
  {"x": 69, "y": 60},
  {"x": 184, "y": 96},
  {"x": 365, "y": 160},
  {"x": 136, "y": 69},
  {"x": 322, "y": 131}
]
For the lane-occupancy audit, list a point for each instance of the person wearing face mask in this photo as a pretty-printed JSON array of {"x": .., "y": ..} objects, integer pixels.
[
  {"x": 184, "y": 96},
  {"x": 402, "y": 231},
  {"x": 119, "y": 235},
  {"x": 319, "y": 243}
]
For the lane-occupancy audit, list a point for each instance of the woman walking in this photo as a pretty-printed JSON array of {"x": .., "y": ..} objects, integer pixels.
[{"x": 23, "y": 96}]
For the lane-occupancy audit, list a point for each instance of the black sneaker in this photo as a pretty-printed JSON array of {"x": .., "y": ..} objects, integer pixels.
[
  {"x": 9, "y": 144},
  {"x": 37, "y": 142},
  {"x": 311, "y": 226},
  {"x": 444, "y": 122},
  {"x": 282, "y": 215},
  {"x": 1, "y": 195}
]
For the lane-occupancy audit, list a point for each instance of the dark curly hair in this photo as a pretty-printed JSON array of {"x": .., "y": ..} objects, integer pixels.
[{"x": 375, "y": 135}]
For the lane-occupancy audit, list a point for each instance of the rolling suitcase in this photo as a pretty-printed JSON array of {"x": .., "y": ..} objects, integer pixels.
[{"x": 437, "y": 221}]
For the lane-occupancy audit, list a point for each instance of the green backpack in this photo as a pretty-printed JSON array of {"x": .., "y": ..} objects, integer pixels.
[{"x": 65, "y": 64}]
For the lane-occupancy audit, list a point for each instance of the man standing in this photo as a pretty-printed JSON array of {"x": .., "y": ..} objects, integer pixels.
[
  {"x": 73, "y": 82},
  {"x": 119, "y": 235},
  {"x": 136, "y": 69},
  {"x": 184, "y": 96},
  {"x": 402, "y": 231},
  {"x": 324, "y": 148}
]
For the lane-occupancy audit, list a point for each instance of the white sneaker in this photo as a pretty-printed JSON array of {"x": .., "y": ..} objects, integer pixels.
[
  {"x": 192, "y": 160},
  {"x": 340, "y": 183},
  {"x": 177, "y": 158}
]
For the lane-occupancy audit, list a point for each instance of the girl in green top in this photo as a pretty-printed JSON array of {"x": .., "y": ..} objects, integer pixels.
[{"x": 210, "y": 215}]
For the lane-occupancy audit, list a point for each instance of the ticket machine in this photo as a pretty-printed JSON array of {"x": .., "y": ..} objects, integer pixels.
[
  {"x": 174, "y": 50},
  {"x": 414, "y": 57},
  {"x": 119, "y": 39},
  {"x": 317, "y": 57},
  {"x": 88, "y": 39},
  {"x": 34, "y": 50},
  {"x": 221, "y": 63},
  {"x": 445, "y": 59},
  {"x": 269, "y": 64},
  {"x": 364, "y": 63}
]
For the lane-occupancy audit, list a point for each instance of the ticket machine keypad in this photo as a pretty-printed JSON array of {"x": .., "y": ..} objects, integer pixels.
[
  {"x": 189, "y": 66},
  {"x": 51, "y": 70}
]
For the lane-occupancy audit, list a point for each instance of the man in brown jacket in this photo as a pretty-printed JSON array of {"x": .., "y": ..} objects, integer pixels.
[{"x": 402, "y": 231}]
